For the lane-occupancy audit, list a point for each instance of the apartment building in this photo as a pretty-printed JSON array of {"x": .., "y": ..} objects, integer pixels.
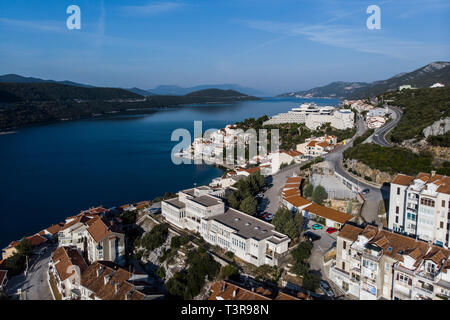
[
  {"x": 98, "y": 238},
  {"x": 372, "y": 264},
  {"x": 420, "y": 206},
  {"x": 66, "y": 266},
  {"x": 249, "y": 238},
  {"x": 102, "y": 280},
  {"x": 314, "y": 147}
]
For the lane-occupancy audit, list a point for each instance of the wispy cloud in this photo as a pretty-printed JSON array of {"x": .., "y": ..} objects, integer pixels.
[
  {"x": 152, "y": 8},
  {"x": 341, "y": 36},
  {"x": 418, "y": 8},
  {"x": 50, "y": 26}
]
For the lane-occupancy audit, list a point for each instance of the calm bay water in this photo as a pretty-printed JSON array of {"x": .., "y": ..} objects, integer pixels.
[{"x": 50, "y": 172}]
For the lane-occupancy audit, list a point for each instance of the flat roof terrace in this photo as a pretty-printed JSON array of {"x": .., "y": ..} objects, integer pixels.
[
  {"x": 246, "y": 226},
  {"x": 176, "y": 203},
  {"x": 206, "y": 200}
]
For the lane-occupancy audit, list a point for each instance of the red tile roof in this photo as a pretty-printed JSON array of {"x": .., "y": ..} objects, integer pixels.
[{"x": 329, "y": 213}]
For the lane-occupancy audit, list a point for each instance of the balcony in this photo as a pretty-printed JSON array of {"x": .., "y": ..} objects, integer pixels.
[
  {"x": 422, "y": 292},
  {"x": 427, "y": 275},
  {"x": 340, "y": 272}
]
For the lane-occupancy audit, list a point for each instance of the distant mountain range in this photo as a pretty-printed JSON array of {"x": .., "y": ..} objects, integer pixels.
[
  {"x": 20, "y": 79},
  {"x": 420, "y": 78},
  {"x": 160, "y": 90},
  {"x": 180, "y": 91},
  {"x": 25, "y": 103}
]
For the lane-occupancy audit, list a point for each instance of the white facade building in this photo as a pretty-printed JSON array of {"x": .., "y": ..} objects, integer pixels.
[
  {"x": 420, "y": 206},
  {"x": 249, "y": 238},
  {"x": 372, "y": 264},
  {"x": 313, "y": 117}
]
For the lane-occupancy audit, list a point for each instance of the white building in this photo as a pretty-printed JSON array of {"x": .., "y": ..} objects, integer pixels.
[
  {"x": 376, "y": 264},
  {"x": 375, "y": 122},
  {"x": 249, "y": 238},
  {"x": 420, "y": 206},
  {"x": 97, "y": 237},
  {"x": 313, "y": 117}
]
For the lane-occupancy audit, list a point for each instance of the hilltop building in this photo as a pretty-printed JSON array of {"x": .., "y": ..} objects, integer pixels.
[{"x": 313, "y": 117}]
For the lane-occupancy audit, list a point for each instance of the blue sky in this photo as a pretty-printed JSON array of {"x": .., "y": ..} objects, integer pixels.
[{"x": 272, "y": 45}]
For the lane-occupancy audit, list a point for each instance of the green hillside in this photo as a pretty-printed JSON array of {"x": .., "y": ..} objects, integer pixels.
[{"x": 421, "y": 107}]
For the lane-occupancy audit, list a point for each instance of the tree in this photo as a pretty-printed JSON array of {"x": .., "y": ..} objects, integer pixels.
[
  {"x": 281, "y": 218},
  {"x": 176, "y": 286},
  {"x": 15, "y": 264},
  {"x": 155, "y": 238},
  {"x": 230, "y": 272},
  {"x": 233, "y": 200},
  {"x": 249, "y": 205},
  {"x": 284, "y": 223},
  {"x": 300, "y": 269},
  {"x": 308, "y": 191},
  {"x": 302, "y": 252},
  {"x": 229, "y": 254},
  {"x": 298, "y": 219},
  {"x": 161, "y": 272},
  {"x": 311, "y": 281},
  {"x": 24, "y": 247},
  {"x": 319, "y": 195}
]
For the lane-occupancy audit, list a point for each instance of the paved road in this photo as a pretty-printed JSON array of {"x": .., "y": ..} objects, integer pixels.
[
  {"x": 379, "y": 136},
  {"x": 34, "y": 285},
  {"x": 375, "y": 195},
  {"x": 271, "y": 201}
]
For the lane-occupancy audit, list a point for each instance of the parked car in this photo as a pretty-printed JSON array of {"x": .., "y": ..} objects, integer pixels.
[
  {"x": 317, "y": 227},
  {"x": 330, "y": 230},
  {"x": 259, "y": 195},
  {"x": 325, "y": 287},
  {"x": 311, "y": 236},
  {"x": 365, "y": 191}
]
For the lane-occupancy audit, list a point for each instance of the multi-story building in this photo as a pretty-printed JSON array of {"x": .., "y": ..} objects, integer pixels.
[
  {"x": 313, "y": 117},
  {"x": 249, "y": 238},
  {"x": 102, "y": 280},
  {"x": 314, "y": 147},
  {"x": 420, "y": 206},
  {"x": 107, "y": 281},
  {"x": 372, "y": 263},
  {"x": 96, "y": 237},
  {"x": 66, "y": 266}
]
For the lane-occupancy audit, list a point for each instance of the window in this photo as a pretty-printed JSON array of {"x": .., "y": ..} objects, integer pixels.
[
  {"x": 443, "y": 203},
  {"x": 397, "y": 209},
  {"x": 427, "y": 202},
  {"x": 343, "y": 265},
  {"x": 396, "y": 219},
  {"x": 441, "y": 225},
  {"x": 398, "y": 191},
  {"x": 344, "y": 244}
]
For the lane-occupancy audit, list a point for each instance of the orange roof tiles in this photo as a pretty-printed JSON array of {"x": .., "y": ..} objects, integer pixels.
[
  {"x": 294, "y": 180},
  {"x": 116, "y": 288},
  {"x": 223, "y": 290},
  {"x": 66, "y": 257},
  {"x": 402, "y": 179},
  {"x": 297, "y": 201},
  {"x": 350, "y": 232},
  {"x": 329, "y": 213},
  {"x": 98, "y": 229}
]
